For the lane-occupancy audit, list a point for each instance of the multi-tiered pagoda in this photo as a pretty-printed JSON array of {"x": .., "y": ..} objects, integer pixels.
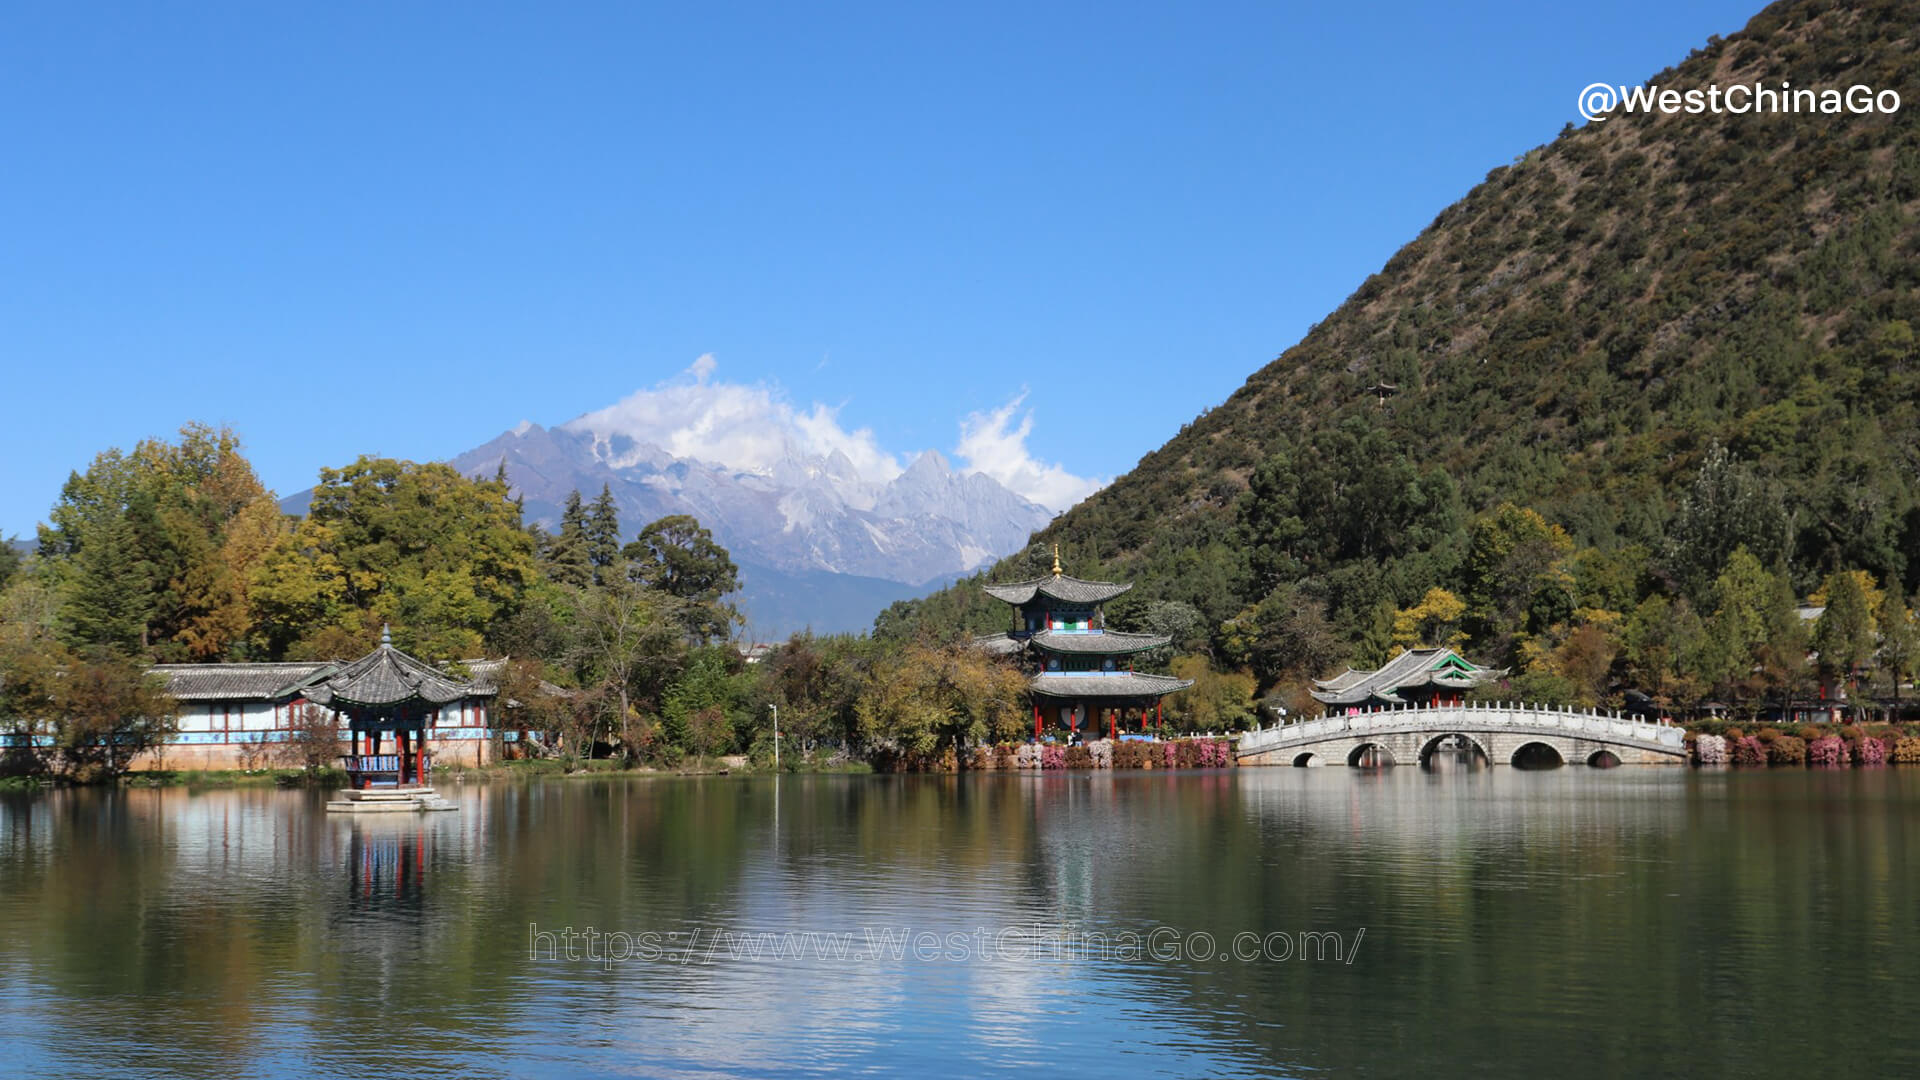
[{"x": 1082, "y": 672}]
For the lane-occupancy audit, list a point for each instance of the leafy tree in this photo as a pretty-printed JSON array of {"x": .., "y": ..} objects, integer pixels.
[
  {"x": 1517, "y": 575},
  {"x": 1434, "y": 621},
  {"x": 10, "y": 560},
  {"x": 1727, "y": 507},
  {"x": 1217, "y": 701},
  {"x": 1753, "y": 632},
  {"x": 1659, "y": 640},
  {"x": 1844, "y": 635},
  {"x": 680, "y": 558},
  {"x": 110, "y": 711},
  {"x": 141, "y": 547},
  {"x": 626, "y": 644},
  {"x": 439, "y": 557},
  {"x": 109, "y": 594},
  {"x": 568, "y": 560},
  {"x": 1900, "y": 643},
  {"x": 601, "y": 536},
  {"x": 923, "y": 698}
]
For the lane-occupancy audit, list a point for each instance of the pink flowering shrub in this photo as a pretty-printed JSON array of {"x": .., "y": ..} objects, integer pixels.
[
  {"x": 1053, "y": 756},
  {"x": 1870, "y": 751},
  {"x": 1169, "y": 756},
  {"x": 1830, "y": 750},
  {"x": 1749, "y": 751},
  {"x": 1710, "y": 750}
]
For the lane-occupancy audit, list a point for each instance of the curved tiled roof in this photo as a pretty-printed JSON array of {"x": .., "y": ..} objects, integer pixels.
[
  {"x": 1060, "y": 587},
  {"x": 999, "y": 644},
  {"x": 386, "y": 677},
  {"x": 1412, "y": 668},
  {"x": 1127, "y": 685},
  {"x": 1097, "y": 643},
  {"x": 240, "y": 682}
]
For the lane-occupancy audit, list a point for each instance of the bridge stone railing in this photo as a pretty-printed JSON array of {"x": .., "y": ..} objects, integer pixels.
[{"x": 1593, "y": 724}]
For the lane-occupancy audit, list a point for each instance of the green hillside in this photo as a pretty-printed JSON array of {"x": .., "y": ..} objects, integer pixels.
[{"x": 1575, "y": 337}]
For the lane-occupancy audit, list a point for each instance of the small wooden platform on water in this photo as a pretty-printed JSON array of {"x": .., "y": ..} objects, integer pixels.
[{"x": 412, "y": 799}]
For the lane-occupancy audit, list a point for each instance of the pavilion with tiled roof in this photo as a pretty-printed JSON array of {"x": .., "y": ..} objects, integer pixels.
[
  {"x": 388, "y": 692},
  {"x": 1081, "y": 670},
  {"x": 1417, "y": 677}
]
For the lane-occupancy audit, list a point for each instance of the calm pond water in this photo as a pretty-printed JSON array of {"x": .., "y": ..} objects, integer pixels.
[{"x": 1652, "y": 921}]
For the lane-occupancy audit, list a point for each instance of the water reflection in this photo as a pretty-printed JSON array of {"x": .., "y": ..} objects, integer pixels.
[{"x": 199, "y": 934}]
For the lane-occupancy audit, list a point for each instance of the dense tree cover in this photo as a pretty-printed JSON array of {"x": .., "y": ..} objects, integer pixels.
[
  {"x": 1618, "y": 361},
  {"x": 619, "y": 643}
]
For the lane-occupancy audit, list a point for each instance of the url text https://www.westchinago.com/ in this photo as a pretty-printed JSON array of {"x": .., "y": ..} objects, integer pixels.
[
  {"x": 1598, "y": 101},
  {"x": 1012, "y": 944}
]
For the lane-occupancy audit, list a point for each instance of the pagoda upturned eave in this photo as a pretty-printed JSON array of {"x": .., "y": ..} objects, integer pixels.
[
  {"x": 386, "y": 678},
  {"x": 1060, "y": 587},
  {"x": 1096, "y": 642}
]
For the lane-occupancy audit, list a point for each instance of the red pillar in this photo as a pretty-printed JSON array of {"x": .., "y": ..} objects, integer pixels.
[
  {"x": 1113, "y": 723},
  {"x": 1036, "y": 721}
]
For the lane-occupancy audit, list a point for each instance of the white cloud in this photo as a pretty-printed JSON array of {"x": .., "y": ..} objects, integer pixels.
[
  {"x": 753, "y": 427},
  {"x": 749, "y": 427},
  {"x": 990, "y": 443}
]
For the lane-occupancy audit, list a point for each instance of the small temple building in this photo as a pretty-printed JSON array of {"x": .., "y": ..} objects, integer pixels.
[
  {"x": 1082, "y": 673},
  {"x": 237, "y": 716},
  {"x": 1418, "y": 678}
]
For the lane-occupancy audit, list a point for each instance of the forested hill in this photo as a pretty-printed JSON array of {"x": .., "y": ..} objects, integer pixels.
[{"x": 1574, "y": 337}]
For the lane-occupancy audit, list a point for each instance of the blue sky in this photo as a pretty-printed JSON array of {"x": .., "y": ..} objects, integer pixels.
[{"x": 402, "y": 228}]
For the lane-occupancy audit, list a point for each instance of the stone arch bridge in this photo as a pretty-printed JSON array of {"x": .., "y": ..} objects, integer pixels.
[{"x": 1408, "y": 736}]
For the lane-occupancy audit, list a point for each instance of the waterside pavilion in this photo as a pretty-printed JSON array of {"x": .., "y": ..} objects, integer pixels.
[
  {"x": 387, "y": 692},
  {"x": 1081, "y": 671}
]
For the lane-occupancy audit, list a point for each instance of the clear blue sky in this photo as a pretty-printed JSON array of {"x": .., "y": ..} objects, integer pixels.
[{"x": 401, "y": 228}]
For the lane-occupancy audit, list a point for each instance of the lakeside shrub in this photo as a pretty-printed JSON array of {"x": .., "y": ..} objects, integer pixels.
[
  {"x": 1827, "y": 750},
  {"x": 1810, "y": 732},
  {"x": 1787, "y": 750},
  {"x": 1748, "y": 752},
  {"x": 1026, "y": 756},
  {"x": 1768, "y": 734},
  {"x": 1052, "y": 756},
  {"x": 1870, "y": 751},
  {"x": 1130, "y": 755},
  {"x": 1906, "y": 750},
  {"x": 1079, "y": 757},
  {"x": 1169, "y": 756},
  {"x": 1005, "y": 756}
]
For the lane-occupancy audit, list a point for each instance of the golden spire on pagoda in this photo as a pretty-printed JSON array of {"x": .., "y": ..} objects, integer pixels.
[{"x": 1056, "y": 560}]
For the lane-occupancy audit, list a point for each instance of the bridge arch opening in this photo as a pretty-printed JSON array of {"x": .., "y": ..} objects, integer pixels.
[
  {"x": 1307, "y": 760},
  {"x": 1454, "y": 750},
  {"x": 1370, "y": 755},
  {"x": 1603, "y": 759},
  {"x": 1536, "y": 755}
]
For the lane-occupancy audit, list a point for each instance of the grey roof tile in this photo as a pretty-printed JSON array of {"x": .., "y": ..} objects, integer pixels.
[
  {"x": 1058, "y": 586},
  {"x": 1122, "y": 685}
]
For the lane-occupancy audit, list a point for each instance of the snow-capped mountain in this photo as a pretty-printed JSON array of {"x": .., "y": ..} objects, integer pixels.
[{"x": 805, "y": 515}]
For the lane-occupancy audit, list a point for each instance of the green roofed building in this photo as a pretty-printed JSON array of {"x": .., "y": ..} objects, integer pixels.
[
  {"x": 1421, "y": 678},
  {"x": 1082, "y": 672}
]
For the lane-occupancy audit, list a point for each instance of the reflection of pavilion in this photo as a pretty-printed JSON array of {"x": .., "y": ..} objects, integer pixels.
[
  {"x": 388, "y": 692},
  {"x": 387, "y": 862}
]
